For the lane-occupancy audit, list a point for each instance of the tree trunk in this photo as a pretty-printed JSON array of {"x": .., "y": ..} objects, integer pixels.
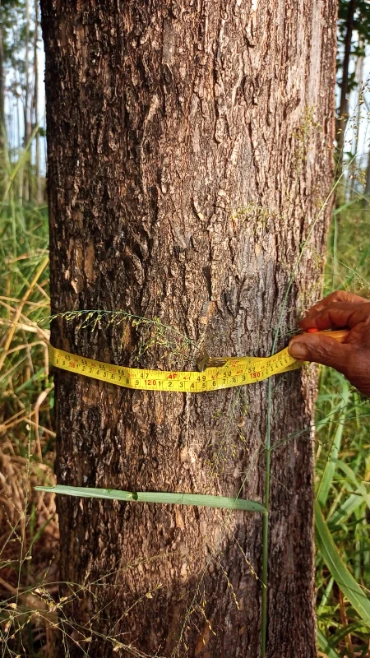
[
  {"x": 189, "y": 155},
  {"x": 342, "y": 118},
  {"x": 359, "y": 81},
  {"x": 38, "y": 190},
  {"x": 2, "y": 96},
  {"x": 367, "y": 181},
  {"x": 3, "y": 135},
  {"x": 4, "y": 157}
]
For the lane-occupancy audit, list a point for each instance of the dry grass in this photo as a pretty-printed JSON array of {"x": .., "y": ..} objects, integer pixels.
[
  {"x": 31, "y": 614},
  {"x": 28, "y": 521}
]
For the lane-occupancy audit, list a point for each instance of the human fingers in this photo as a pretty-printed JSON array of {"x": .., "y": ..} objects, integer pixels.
[
  {"x": 339, "y": 296},
  {"x": 320, "y": 349},
  {"x": 360, "y": 334},
  {"x": 349, "y": 359},
  {"x": 339, "y": 314}
]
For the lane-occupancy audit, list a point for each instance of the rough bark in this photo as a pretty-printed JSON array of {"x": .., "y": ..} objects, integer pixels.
[
  {"x": 342, "y": 118},
  {"x": 189, "y": 155}
]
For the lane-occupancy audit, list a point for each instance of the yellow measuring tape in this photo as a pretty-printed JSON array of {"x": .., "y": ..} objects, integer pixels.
[{"x": 235, "y": 371}]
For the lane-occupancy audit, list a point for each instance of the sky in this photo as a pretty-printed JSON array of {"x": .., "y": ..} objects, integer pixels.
[{"x": 358, "y": 124}]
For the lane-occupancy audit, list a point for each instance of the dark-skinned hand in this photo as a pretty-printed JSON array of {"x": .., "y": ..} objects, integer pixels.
[{"x": 352, "y": 357}]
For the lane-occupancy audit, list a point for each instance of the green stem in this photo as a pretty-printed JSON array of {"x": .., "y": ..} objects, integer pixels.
[{"x": 265, "y": 527}]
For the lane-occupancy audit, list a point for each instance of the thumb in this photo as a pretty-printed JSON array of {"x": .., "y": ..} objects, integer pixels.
[{"x": 321, "y": 349}]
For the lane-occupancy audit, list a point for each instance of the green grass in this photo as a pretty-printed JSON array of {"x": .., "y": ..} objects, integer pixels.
[
  {"x": 28, "y": 556},
  {"x": 343, "y": 466},
  {"x": 28, "y": 524}
]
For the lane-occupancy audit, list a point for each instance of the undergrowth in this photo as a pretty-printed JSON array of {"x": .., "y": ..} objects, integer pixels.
[
  {"x": 28, "y": 525},
  {"x": 31, "y": 614},
  {"x": 343, "y": 455}
]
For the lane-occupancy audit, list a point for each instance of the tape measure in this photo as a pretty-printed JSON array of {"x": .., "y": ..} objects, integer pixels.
[{"x": 235, "y": 371}]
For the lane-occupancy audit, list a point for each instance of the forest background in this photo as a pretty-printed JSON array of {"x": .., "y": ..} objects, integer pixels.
[{"x": 29, "y": 607}]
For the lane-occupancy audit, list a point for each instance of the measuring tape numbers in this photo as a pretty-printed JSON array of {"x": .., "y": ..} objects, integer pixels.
[{"x": 236, "y": 371}]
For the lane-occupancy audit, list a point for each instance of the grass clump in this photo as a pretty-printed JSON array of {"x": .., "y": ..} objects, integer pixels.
[
  {"x": 343, "y": 464},
  {"x": 31, "y": 614},
  {"x": 28, "y": 525}
]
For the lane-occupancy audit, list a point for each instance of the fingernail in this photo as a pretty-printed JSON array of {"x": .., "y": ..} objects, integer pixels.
[{"x": 298, "y": 351}]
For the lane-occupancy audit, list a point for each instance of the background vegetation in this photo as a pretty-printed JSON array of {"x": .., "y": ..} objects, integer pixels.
[{"x": 31, "y": 614}]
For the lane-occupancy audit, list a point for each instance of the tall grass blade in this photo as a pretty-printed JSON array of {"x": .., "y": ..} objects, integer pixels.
[
  {"x": 328, "y": 474},
  {"x": 343, "y": 512},
  {"x": 351, "y": 477},
  {"x": 221, "y": 502},
  {"x": 325, "y": 646},
  {"x": 20, "y": 163},
  {"x": 344, "y": 579}
]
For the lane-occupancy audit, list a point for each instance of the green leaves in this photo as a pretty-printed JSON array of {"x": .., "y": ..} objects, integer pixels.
[
  {"x": 221, "y": 502},
  {"x": 342, "y": 576},
  {"x": 328, "y": 474},
  {"x": 325, "y": 646}
]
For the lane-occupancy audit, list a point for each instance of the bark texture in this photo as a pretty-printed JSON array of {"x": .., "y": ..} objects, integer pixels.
[
  {"x": 189, "y": 157},
  {"x": 342, "y": 118}
]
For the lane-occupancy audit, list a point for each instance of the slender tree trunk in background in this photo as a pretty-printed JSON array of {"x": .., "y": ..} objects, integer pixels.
[
  {"x": 38, "y": 195},
  {"x": 27, "y": 191},
  {"x": 342, "y": 116},
  {"x": 367, "y": 183},
  {"x": 20, "y": 143},
  {"x": 189, "y": 154},
  {"x": 359, "y": 78},
  {"x": 3, "y": 136}
]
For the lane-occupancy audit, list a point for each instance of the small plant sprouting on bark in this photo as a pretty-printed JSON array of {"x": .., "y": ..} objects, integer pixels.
[
  {"x": 152, "y": 332},
  {"x": 257, "y": 216}
]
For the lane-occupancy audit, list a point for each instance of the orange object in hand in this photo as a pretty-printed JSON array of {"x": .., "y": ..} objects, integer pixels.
[
  {"x": 340, "y": 334},
  {"x": 349, "y": 352}
]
